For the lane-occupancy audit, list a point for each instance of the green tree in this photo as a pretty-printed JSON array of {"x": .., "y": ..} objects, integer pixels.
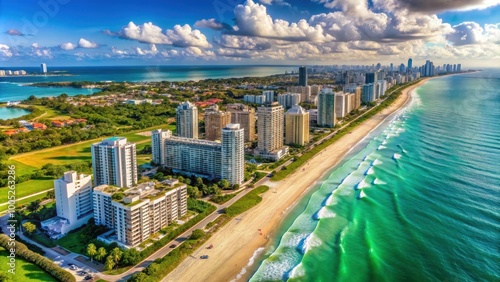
[
  {"x": 51, "y": 194},
  {"x": 110, "y": 263},
  {"x": 116, "y": 254},
  {"x": 197, "y": 234},
  {"x": 91, "y": 251},
  {"x": 34, "y": 206},
  {"x": 101, "y": 253},
  {"x": 224, "y": 184},
  {"x": 29, "y": 228}
]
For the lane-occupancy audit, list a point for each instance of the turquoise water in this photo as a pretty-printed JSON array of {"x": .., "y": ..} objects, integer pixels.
[
  {"x": 430, "y": 209},
  {"x": 17, "y": 88},
  {"x": 8, "y": 113}
]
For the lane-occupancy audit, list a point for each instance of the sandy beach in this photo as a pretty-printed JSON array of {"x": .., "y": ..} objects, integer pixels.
[{"x": 236, "y": 242}]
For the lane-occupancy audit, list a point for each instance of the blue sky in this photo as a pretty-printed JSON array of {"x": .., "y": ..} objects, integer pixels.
[{"x": 71, "y": 32}]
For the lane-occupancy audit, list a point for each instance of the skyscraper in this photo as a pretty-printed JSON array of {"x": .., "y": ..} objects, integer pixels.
[
  {"x": 74, "y": 207},
  {"x": 410, "y": 64},
  {"x": 245, "y": 117},
  {"x": 157, "y": 145},
  {"x": 303, "y": 76},
  {"x": 369, "y": 77},
  {"x": 233, "y": 154},
  {"x": 43, "y": 68},
  {"x": 288, "y": 100},
  {"x": 187, "y": 120},
  {"x": 326, "y": 108},
  {"x": 270, "y": 127},
  {"x": 297, "y": 126},
  {"x": 114, "y": 162},
  {"x": 215, "y": 121}
]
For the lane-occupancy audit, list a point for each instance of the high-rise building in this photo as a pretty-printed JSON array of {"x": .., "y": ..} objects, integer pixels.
[
  {"x": 270, "y": 127},
  {"x": 410, "y": 64},
  {"x": 255, "y": 99},
  {"x": 114, "y": 162},
  {"x": 233, "y": 154},
  {"x": 43, "y": 68},
  {"x": 138, "y": 212},
  {"x": 157, "y": 145},
  {"x": 288, "y": 100},
  {"x": 340, "y": 105},
  {"x": 459, "y": 67},
  {"x": 187, "y": 120},
  {"x": 326, "y": 108},
  {"x": 269, "y": 95},
  {"x": 213, "y": 160},
  {"x": 369, "y": 77},
  {"x": 354, "y": 88},
  {"x": 304, "y": 91},
  {"x": 402, "y": 68},
  {"x": 215, "y": 121},
  {"x": 303, "y": 76},
  {"x": 245, "y": 117},
  {"x": 74, "y": 207},
  {"x": 368, "y": 93},
  {"x": 297, "y": 126}
]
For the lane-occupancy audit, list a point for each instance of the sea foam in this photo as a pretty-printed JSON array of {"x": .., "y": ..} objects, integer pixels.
[
  {"x": 396, "y": 156},
  {"x": 324, "y": 212}
]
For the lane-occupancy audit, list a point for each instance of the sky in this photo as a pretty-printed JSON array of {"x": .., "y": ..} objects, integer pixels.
[{"x": 271, "y": 32}]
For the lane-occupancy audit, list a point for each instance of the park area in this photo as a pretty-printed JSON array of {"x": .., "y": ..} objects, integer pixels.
[{"x": 29, "y": 163}]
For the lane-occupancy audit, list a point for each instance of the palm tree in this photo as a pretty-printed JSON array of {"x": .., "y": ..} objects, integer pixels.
[
  {"x": 110, "y": 263},
  {"x": 116, "y": 254},
  {"x": 91, "y": 251},
  {"x": 101, "y": 253}
]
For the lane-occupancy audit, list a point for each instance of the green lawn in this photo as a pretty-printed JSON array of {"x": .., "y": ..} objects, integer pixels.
[
  {"x": 246, "y": 202},
  {"x": 68, "y": 154},
  {"x": 72, "y": 243},
  {"x": 25, "y": 271},
  {"x": 25, "y": 201},
  {"x": 27, "y": 188},
  {"x": 21, "y": 169}
]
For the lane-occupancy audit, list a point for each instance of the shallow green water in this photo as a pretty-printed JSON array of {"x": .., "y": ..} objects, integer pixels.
[{"x": 430, "y": 211}]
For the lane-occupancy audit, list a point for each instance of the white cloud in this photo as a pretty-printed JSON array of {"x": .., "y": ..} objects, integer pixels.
[
  {"x": 252, "y": 20},
  {"x": 179, "y": 36},
  {"x": 210, "y": 23},
  {"x": 84, "y": 43},
  {"x": 67, "y": 46},
  {"x": 143, "y": 52},
  {"x": 5, "y": 51}
]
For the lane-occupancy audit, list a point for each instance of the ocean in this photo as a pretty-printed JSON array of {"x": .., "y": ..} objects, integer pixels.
[
  {"x": 17, "y": 87},
  {"x": 417, "y": 200}
]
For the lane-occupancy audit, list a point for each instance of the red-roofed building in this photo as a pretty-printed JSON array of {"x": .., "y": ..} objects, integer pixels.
[
  {"x": 10, "y": 132},
  {"x": 23, "y": 129},
  {"x": 39, "y": 126},
  {"x": 57, "y": 123}
]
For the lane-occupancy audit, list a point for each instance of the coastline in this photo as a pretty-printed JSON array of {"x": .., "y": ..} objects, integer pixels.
[{"x": 236, "y": 243}]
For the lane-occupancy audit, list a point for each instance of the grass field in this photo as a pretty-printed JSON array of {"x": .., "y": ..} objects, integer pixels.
[
  {"x": 70, "y": 153},
  {"x": 27, "y": 188},
  {"x": 25, "y": 271},
  {"x": 24, "y": 202}
]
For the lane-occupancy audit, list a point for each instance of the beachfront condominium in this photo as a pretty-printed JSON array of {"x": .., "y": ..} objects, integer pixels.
[
  {"x": 270, "y": 127},
  {"x": 302, "y": 76},
  {"x": 326, "y": 108},
  {"x": 289, "y": 100},
  {"x": 43, "y": 68},
  {"x": 136, "y": 213},
  {"x": 297, "y": 126},
  {"x": 209, "y": 159},
  {"x": 245, "y": 117},
  {"x": 187, "y": 120},
  {"x": 356, "y": 90},
  {"x": 73, "y": 193},
  {"x": 215, "y": 121},
  {"x": 233, "y": 154},
  {"x": 114, "y": 162},
  {"x": 368, "y": 93}
]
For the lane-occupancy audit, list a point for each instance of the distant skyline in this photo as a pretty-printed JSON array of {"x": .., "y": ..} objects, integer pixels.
[{"x": 226, "y": 32}]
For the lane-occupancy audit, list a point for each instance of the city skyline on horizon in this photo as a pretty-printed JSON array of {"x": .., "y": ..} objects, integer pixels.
[{"x": 251, "y": 32}]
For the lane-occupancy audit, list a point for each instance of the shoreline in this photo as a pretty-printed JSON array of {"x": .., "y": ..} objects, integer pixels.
[{"x": 238, "y": 241}]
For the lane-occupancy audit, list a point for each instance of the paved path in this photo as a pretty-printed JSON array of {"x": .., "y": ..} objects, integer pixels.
[{"x": 29, "y": 196}]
